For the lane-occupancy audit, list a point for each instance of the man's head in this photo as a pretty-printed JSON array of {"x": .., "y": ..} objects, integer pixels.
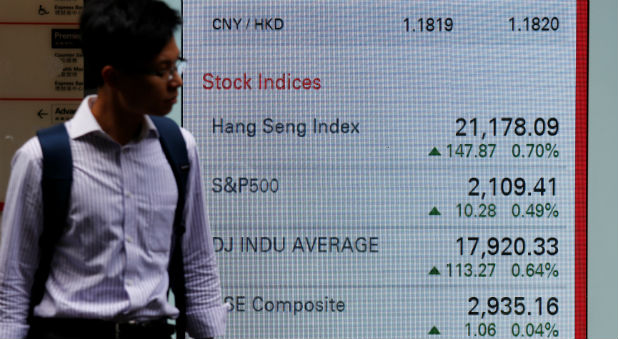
[{"x": 128, "y": 45}]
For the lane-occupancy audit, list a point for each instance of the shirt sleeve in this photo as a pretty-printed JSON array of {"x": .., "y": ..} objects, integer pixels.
[
  {"x": 21, "y": 228},
  {"x": 206, "y": 314}
]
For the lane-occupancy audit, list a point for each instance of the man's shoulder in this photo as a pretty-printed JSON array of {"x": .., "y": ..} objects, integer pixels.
[
  {"x": 189, "y": 139},
  {"x": 186, "y": 135},
  {"x": 29, "y": 153},
  {"x": 27, "y": 163}
]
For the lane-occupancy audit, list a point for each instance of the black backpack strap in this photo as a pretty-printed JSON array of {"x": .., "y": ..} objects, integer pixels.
[
  {"x": 56, "y": 190},
  {"x": 175, "y": 150}
]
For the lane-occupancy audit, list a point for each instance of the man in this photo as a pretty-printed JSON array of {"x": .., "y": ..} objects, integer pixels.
[{"x": 109, "y": 267}]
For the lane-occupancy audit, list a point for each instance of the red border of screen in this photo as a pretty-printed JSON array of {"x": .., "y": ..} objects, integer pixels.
[{"x": 581, "y": 167}]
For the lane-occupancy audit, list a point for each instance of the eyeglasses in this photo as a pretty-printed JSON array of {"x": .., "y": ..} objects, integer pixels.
[{"x": 168, "y": 74}]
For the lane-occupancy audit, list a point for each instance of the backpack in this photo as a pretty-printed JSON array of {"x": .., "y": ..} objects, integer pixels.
[{"x": 56, "y": 190}]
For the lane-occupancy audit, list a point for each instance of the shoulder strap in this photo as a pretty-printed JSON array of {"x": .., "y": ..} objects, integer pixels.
[
  {"x": 175, "y": 150},
  {"x": 56, "y": 190}
]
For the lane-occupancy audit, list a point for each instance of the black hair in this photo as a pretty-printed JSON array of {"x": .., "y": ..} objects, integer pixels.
[{"x": 126, "y": 34}]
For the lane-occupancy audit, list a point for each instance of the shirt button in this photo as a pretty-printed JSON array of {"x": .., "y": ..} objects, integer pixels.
[
  {"x": 129, "y": 239},
  {"x": 129, "y": 282},
  {"x": 128, "y": 194}
]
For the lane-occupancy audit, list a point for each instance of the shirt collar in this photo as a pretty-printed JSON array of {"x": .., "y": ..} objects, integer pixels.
[
  {"x": 149, "y": 129},
  {"x": 84, "y": 122}
]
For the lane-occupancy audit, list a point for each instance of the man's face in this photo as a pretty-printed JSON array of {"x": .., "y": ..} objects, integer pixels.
[{"x": 153, "y": 93}]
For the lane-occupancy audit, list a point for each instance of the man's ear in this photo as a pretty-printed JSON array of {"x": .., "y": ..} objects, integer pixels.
[{"x": 110, "y": 76}]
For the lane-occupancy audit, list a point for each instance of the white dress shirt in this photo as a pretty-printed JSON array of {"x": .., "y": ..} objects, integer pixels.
[{"x": 111, "y": 260}]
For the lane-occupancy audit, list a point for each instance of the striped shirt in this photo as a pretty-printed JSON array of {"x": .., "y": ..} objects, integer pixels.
[{"x": 111, "y": 261}]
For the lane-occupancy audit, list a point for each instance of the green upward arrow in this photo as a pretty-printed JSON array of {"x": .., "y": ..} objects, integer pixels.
[
  {"x": 434, "y": 271},
  {"x": 434, "y": 330},
  {"x": 434, "y": 211},
  {"x": 435, "y": 152}
]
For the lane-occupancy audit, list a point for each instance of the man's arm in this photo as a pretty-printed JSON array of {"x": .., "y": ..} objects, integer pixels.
[
  {"x": 206, "y": 315},
  {"x": 22, "y": 225}
]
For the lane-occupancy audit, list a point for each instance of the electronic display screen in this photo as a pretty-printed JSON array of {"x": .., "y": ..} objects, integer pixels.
[{"x": 393, "y": 169}]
